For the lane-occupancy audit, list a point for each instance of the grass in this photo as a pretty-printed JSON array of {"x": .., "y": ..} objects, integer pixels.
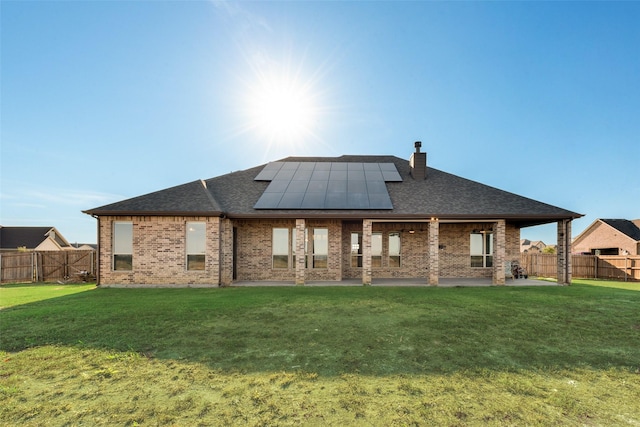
[{"x": 75, "y": 354}]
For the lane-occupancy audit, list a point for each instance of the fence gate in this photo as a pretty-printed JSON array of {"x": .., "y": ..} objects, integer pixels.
[{"x": 46, "y": 266}]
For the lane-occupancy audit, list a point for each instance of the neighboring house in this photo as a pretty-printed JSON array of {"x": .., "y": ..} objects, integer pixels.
[
  {"x": 85, "y": 246},
  {"x": 609, "y": 237},
  {"x": 32, "y": 239},
  {"x": 531, "y": 247},
  {"x": 306, "y": 219}
]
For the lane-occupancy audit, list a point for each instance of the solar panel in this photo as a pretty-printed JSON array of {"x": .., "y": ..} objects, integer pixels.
[
  {"x": 327, "y": 185},
  {"x": 269, "y": 171}
]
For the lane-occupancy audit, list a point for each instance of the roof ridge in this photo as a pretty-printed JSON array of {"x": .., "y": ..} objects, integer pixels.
[{"x": 214, "y": 203}]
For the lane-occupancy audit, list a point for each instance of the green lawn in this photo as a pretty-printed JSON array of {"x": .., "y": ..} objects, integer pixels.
[{"x": 77, "y": 355}]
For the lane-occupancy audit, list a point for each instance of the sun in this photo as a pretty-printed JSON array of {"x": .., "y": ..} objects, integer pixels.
[
  {"x": 282, "y": 109},
  {"x": 281, "y": 102}
]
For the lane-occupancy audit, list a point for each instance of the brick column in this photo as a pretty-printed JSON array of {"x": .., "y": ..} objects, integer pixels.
[
  {"x": 300, "y": 255},
  {"x": 564, "y": 252},
  {"x": 367, "y": 228},
  {"x": 226, "y": 252},
  {"x": 499, "y": 248},
  {"x": 434, "y": 256}
]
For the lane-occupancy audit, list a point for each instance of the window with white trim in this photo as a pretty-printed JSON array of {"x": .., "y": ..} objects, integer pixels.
[
  {"x": 394, "y": 249},
  {"x": 123, "y": 245},
  {"x": 481, "y": 249},
  {"x": 196, "y": 245},
  {"x": 376, "y": 249},
  {"x": 283, "y": 248},
  {"x": 356, "y": 250},
  {"x": 280, "y": 248},
  {"x": 320, "y": 248}
]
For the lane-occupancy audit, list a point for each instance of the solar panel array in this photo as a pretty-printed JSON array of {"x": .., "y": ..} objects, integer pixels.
[{"x": 327, "y": 185}]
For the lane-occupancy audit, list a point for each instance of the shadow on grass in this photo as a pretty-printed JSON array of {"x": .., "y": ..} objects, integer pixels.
[{"x": 333, "y": 331}]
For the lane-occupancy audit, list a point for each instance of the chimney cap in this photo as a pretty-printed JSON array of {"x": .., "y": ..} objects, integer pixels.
[{"x": 418, "y": 144}]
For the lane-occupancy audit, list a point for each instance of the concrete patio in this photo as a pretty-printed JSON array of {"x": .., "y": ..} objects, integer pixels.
[{"x": 444, "y": 282}]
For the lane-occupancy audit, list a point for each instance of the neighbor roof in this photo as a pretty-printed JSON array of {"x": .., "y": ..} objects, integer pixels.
[
  {"x": 624, "y": 226},
  {"x": 441, "y": 195},
  {"x": 28, "y": 237}
]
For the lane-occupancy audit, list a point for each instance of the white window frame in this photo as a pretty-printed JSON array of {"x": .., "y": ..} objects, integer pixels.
[
  {"x": 280, "y": 248},
  {"x": 356, "y": 250},
  {"x": 376, "y": 249},
  {"x": 122, "y": 244},
  {"x": 320, "y": 251},
  {"x": 196, "y": 246},
  {"x": 481, "y": 253},
  {"x": 393, "y": 252}
]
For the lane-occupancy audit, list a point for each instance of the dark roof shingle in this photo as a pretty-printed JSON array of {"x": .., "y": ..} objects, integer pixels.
[
  {"x": 624, "y": 226},
  {"x": 440, "y": 195},
  {"x": 191, "y": 198},
  {"x": 28, "y": 237}
]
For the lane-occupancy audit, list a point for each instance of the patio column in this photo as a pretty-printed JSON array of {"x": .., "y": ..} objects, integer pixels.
[
  {"x": 434, "y": 256},
  {"x": 225, "y": 248},
  {"x": 499, "y": 229},
  {"x": 564, "y": 252},
  {"x": 300, "y": 255},
  {"x": 367, "y": 228}
]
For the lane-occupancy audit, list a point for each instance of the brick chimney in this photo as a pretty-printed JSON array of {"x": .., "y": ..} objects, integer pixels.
[{"x": 418, "y": 163}]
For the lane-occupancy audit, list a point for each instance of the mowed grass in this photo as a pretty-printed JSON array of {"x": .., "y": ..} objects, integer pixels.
[{"x": 321, "y": 356}]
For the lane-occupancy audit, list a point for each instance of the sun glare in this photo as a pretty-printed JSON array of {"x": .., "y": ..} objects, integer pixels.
[
  {"x": 281, "y": 107},
  {"x": 282, "y": 110}
]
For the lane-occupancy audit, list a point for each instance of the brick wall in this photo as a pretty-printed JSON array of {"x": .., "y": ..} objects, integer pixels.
[
  {"x": 455, "y": 248},
  {"x": 413, "y": 250},
  {"x": 254, "y": 251},
  {"x": 159, "y": 252}
]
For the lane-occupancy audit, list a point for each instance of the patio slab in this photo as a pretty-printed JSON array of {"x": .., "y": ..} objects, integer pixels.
[{"x": 445, "y": 282}]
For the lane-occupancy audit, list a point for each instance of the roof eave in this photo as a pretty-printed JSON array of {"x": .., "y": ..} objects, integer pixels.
[
  {"x": 153, "y": 213},
  {"x": 529, "y": 219}
]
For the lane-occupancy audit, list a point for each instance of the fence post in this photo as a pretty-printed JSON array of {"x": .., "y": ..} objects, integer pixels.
[{"x": 626, "y": 259}]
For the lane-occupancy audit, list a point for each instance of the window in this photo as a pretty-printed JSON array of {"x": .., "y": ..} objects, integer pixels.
[
  {"x": 394, "y": 249},
  {"x": 356, "y": 249},
  {"x": 376, "y": 249},
  {"x": 123, "y": 246},
  {"x": 320, "y": 247},
  {"x": 280, "y": 248},
  {"x": 482, "y": 249},
  {"x": 196, "y": 245},
  {"x": 283, "y": 249}
]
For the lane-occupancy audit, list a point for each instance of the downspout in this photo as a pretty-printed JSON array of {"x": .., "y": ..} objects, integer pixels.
[{"x": 97, "y": 261}]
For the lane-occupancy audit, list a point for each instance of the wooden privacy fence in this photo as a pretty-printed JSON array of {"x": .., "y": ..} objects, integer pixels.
[
  {"x": 47, "y": 266},
  {"x": 615, "y": 267}
]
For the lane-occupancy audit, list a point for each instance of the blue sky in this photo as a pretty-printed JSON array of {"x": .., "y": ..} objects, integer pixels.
[{"x": 106, "y": 100}]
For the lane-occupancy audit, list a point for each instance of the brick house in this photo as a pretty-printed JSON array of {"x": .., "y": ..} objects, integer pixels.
[
  {"x": 609, "y": 237},
  {"x": 531, "y": 247},
  {"x": 321, "y": 219}
]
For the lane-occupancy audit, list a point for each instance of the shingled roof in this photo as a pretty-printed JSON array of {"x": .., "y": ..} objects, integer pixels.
[
  {"x": 624, "y": 226},
  {"x": 441, "y": 195},
  {"x": 27, "y": 237}
]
